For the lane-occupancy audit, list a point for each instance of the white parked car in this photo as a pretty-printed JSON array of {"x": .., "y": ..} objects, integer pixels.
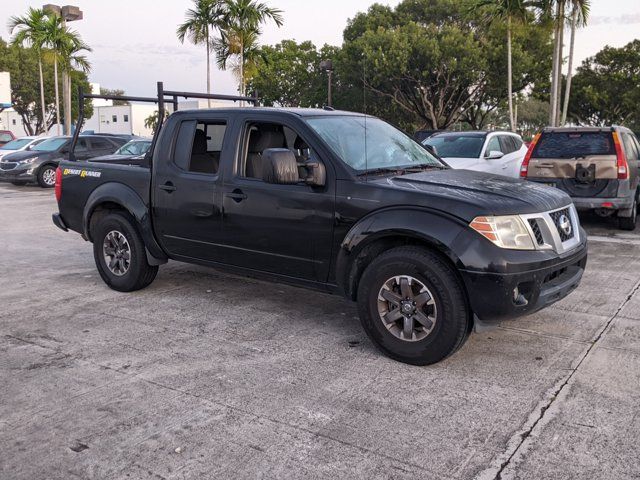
[
  {"x": 501, "y": 153},
  {"x": 20, "y": 144}
]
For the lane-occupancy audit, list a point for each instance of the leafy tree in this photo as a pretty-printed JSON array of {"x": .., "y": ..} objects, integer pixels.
[
  {"x": 429, "y": 63},
  {"x": 199, "y": 25},
  {"x": 606, "y": 88},
  {"x": 29, "y": 31},
  {"x": 237, "y": 46},
  {"x": 288, "y": 74},
  {"x": 114, "y": 91}
]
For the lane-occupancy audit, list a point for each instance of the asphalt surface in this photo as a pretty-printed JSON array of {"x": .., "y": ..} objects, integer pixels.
[{"x": 208, "y": 375}]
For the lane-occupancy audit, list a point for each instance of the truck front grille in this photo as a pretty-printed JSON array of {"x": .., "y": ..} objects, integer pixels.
[
  {"x": 536, "y": 231},
  {"x": 556, "y": 217}
]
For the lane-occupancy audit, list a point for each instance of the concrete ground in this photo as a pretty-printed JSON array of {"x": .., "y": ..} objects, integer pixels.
[{"x": 207, "y": 375}]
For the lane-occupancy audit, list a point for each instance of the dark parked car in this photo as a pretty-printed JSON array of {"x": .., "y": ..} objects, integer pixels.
[
  {"x": 39, "y": 163},
  {"x": 299, "y": 196},
  {"x": 131, "y": 153},
  {"x": 597, "y": 167},
  {"x": 6, "y": 136}
]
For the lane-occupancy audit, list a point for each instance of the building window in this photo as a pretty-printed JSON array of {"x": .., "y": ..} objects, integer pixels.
[
  {"x": 114, "y": 118},
  {"x": 126, "y": 118},
  {"x": 14, "y": 121}
]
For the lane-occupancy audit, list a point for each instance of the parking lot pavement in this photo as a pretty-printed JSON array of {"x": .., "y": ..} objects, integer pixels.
[{"x": 209, "y": 375}]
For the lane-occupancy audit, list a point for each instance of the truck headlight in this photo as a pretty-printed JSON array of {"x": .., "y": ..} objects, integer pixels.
[{"x": 506, "y": 231}]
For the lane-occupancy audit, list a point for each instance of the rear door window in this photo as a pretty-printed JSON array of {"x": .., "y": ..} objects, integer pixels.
[
  {"x": 630, "y": 148},
  {"x": 508, "y": 144},
  {"x": 493, "y": 146},
  {"x": 574, "y": 144}
]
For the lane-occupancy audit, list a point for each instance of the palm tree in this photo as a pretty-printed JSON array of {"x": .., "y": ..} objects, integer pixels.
[
  {"x": 508, "y": 11},
  {"x": 199, "y": 24},
  {"x": 579, "y": 17},
  {"x": 55, "y": 38},
  {"x": 239, "y": 35},
  {"x": 31, "y": 31}
]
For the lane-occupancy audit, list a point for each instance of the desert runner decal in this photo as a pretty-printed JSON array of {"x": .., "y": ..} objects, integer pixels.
[{"x": 81, "y": 172}]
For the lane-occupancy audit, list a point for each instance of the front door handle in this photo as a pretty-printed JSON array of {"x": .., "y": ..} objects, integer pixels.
[
  {"x": 167, "y": 187},
  {"x": 237, "y": 195}
]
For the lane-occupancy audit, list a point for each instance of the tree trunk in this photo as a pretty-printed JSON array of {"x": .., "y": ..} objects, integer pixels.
[
  {"x": 55, "y": 76},
  {"x": 512, "y": 122},
  {"x": 554, "y": 70},
  {"x": 208, "y": 70},
  {"x": 42, "y": 105},
  {"x": 560, "y": 64},
  {"x": 242, "y": 72},
  {"x": 66, "y": 101},
  {"x": 567, "y": 93}
]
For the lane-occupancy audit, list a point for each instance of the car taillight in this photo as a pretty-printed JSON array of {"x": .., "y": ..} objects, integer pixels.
[
  {"x": 58, "y": 188},
  {"x": 524, "y": 168},
  {"x": 621, "y": 162}
]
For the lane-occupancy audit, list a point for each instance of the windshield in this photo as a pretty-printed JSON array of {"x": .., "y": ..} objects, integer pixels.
[
  {"x": 16, "y": 144},
  {"x": 385, "y": 148},
  {"x": 135, "y": 147},
  {"x": 460, "y": 146},
  {"x": 50, "y": 145}
]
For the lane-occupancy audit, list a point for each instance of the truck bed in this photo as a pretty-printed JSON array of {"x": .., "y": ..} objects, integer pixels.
[{"x": 81, "y": 179}]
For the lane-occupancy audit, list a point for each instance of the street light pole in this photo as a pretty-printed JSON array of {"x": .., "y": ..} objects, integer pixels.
[
  {"x": 68, "y": 13},
  {"x": 327, "y": 66}
]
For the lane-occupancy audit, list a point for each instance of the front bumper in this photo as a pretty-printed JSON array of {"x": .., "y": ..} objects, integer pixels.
[
  {"x": 23, "y": 173},
  {"x": 493, "y": 296}
]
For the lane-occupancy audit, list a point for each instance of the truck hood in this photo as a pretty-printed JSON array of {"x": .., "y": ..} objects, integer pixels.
[{"x": 468, "y": 194}]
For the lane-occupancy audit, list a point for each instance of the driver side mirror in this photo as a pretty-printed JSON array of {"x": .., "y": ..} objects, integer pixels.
[
  {"x": 317, "y": 174},
  {"x": 494, "y": 155}
]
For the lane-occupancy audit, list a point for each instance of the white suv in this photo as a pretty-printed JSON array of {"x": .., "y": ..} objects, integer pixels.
[{"x": 501, "y": 153}]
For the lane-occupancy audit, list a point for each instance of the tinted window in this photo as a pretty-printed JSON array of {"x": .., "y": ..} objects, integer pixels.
[
  {"x": 508, "y": 144},
  {"x": 100, "y": 144},
  {"x": 81, "y": 146},
  {"x": 16, "y": 144},
  {"x": 493, "y": 146},
  {"x": 574, "y": 144},
  {"x": 630, "y": 149},
  {"x": 50, "y": 145},
  {"x": 199, "y": 146},
  {"x": 462, "y": 146}
]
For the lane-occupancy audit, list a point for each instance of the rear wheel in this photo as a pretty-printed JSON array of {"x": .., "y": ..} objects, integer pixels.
[
  {"x": 47, "y": 176},
  {"x": 120, "y": 254},
  {"x": 412, "y": 306},
  {"x": 629, "y": 223}
]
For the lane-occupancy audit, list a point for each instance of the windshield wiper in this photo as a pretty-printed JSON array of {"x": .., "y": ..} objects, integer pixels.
[{"x": 375, "y": 171}]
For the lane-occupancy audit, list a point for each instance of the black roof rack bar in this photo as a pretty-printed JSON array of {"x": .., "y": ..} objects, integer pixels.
[{"x": 171, "y": 97}]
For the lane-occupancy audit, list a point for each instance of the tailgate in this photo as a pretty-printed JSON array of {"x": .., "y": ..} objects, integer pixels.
[{"x": 584, "y": 164}]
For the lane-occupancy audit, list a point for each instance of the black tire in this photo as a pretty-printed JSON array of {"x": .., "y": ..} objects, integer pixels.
[
  {"x": 629, "y": 223},
  {"x": 138, "y": 273},
  {"x": 19, "y": 183},
  {"x": 47, "y": 176},
  {"x": 452, "y": 323}
]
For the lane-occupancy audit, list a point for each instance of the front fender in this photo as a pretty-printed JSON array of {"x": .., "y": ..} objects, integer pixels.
[
  {"x": 435, "y": 229},
  {"x": 130, "y": 201}
]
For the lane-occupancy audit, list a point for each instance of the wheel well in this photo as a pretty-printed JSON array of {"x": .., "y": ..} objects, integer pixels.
[
  {"x": 100, "y": 211},
  {"x": 374, "y": 248}
]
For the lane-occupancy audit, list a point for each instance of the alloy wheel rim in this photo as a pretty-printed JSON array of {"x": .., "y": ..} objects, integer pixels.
[
  {"x": 49, "y": 176},
  {"x": 407, "y": 308},
  {"x": 117, "y": 253}
]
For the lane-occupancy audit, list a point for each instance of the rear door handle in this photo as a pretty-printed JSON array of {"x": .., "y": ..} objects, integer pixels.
[
  {"x": 167, "y": 187},
  {"x": 237, "y": 195}
]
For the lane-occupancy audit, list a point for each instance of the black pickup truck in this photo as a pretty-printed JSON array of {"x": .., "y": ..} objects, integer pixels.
[{"x": 334, "y": 201}]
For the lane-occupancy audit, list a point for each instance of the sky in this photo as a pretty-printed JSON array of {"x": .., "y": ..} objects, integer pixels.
[{"x": 134, "y": 42}]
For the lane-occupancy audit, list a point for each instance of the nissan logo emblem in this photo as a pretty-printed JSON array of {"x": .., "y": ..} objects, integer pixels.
[{"x": 564, "y": 224}]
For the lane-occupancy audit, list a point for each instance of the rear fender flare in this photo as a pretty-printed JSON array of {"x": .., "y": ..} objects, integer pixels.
[
  {"x": 434, "y": 229},
  {"x": 130, "y": 201}
]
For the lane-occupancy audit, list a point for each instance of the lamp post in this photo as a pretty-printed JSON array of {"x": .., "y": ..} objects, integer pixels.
[
  {"x": 68, "y": 13},
  {"x": 327, "y": 66}
]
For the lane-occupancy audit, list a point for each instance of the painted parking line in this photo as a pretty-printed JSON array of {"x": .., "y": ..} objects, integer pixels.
[{"x": 630, "y": 240}]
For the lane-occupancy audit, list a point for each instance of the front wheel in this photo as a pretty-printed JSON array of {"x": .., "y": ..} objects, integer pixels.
[
  {"x": 47, "y": 176},
  {"x": 120, "y": 254},
  {"x": 413, "y": 306}
]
